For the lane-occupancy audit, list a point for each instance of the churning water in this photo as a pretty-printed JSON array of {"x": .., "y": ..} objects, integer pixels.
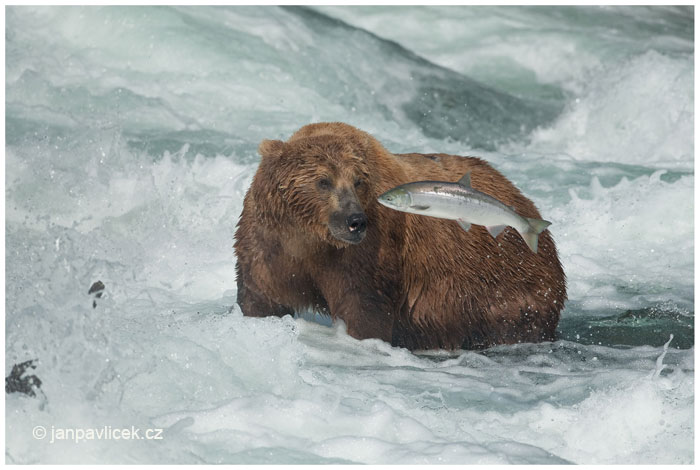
[{"x": 131, "y": 140}]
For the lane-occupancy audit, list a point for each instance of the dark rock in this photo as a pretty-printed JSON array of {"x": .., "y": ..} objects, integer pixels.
[
  {"x": 97, "y": 288},
  {"x": 17, "y": 382}
]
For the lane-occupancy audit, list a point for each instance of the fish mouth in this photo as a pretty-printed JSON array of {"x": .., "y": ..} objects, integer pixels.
[
  {"x": 382, "y": 201},
  {"x": 397, "y": 198}
]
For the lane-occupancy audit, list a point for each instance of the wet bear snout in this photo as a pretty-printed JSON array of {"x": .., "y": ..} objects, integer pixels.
[{"x": 357, "y": 222}]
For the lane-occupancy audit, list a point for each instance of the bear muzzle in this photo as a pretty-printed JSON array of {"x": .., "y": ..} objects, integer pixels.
[
  {"x": 357, "y": 223},
  {"x": 348, "y": 223},
  {"x": 350, "y": 228}
]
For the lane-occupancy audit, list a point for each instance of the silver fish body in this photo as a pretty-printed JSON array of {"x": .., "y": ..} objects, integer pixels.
[{"x": 460, "y": 202}]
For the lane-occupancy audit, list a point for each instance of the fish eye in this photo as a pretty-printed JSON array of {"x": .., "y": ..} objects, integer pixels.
[{"x": 324, "y": 183}]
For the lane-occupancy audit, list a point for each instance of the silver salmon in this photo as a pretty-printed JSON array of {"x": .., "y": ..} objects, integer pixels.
[{"x": 460, "y": 202}]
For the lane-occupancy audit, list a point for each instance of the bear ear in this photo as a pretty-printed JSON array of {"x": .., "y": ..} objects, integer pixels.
[
  {"x": 271, "y": 148},
  {"x": 362, "y": 143}
]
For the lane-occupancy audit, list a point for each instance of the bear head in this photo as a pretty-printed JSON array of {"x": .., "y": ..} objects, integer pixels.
[{"x": 321, "y": 185}]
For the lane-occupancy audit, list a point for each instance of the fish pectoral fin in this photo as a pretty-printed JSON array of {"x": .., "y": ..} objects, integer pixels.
[
  {"x": 420, "y": 208},
  {"x": 466, "y": 180},
  {"x": 465, "y": 225},
  {"x": 495, "y": 230}
]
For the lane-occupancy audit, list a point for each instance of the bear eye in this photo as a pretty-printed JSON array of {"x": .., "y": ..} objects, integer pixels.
[
  {"x": 358, "y": 182},
  {"x": 324, "y": 183}
]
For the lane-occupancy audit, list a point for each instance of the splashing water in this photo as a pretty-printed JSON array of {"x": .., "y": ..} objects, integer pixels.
[{"x": 131, "y": 137}]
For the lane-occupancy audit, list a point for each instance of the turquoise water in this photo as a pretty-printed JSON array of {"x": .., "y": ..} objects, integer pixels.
[{"x": 131, "y": 139}]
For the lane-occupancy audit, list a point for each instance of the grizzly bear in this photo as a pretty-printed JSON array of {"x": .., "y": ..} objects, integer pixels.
[{"x": 313, "y": 236}]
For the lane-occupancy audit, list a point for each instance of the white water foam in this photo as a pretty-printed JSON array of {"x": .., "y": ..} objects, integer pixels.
[
  {"x": 90, "y": 196},
  {"x": 637, "y": 111}
]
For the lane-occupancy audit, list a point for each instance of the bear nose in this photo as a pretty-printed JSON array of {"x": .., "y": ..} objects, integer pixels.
[{"x": 357, "y": 223}]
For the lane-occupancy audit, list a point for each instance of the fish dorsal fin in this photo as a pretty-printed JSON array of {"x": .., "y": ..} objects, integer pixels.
[{"x": 466, "y": 180}]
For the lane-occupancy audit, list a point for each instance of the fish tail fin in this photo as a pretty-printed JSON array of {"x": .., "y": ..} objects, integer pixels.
[
  {"x": 531, "y": 236},
  {"x": 538, "y": 225}
]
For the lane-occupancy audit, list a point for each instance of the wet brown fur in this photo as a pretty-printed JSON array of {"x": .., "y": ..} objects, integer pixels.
[{"x": 415, "y": 281}]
